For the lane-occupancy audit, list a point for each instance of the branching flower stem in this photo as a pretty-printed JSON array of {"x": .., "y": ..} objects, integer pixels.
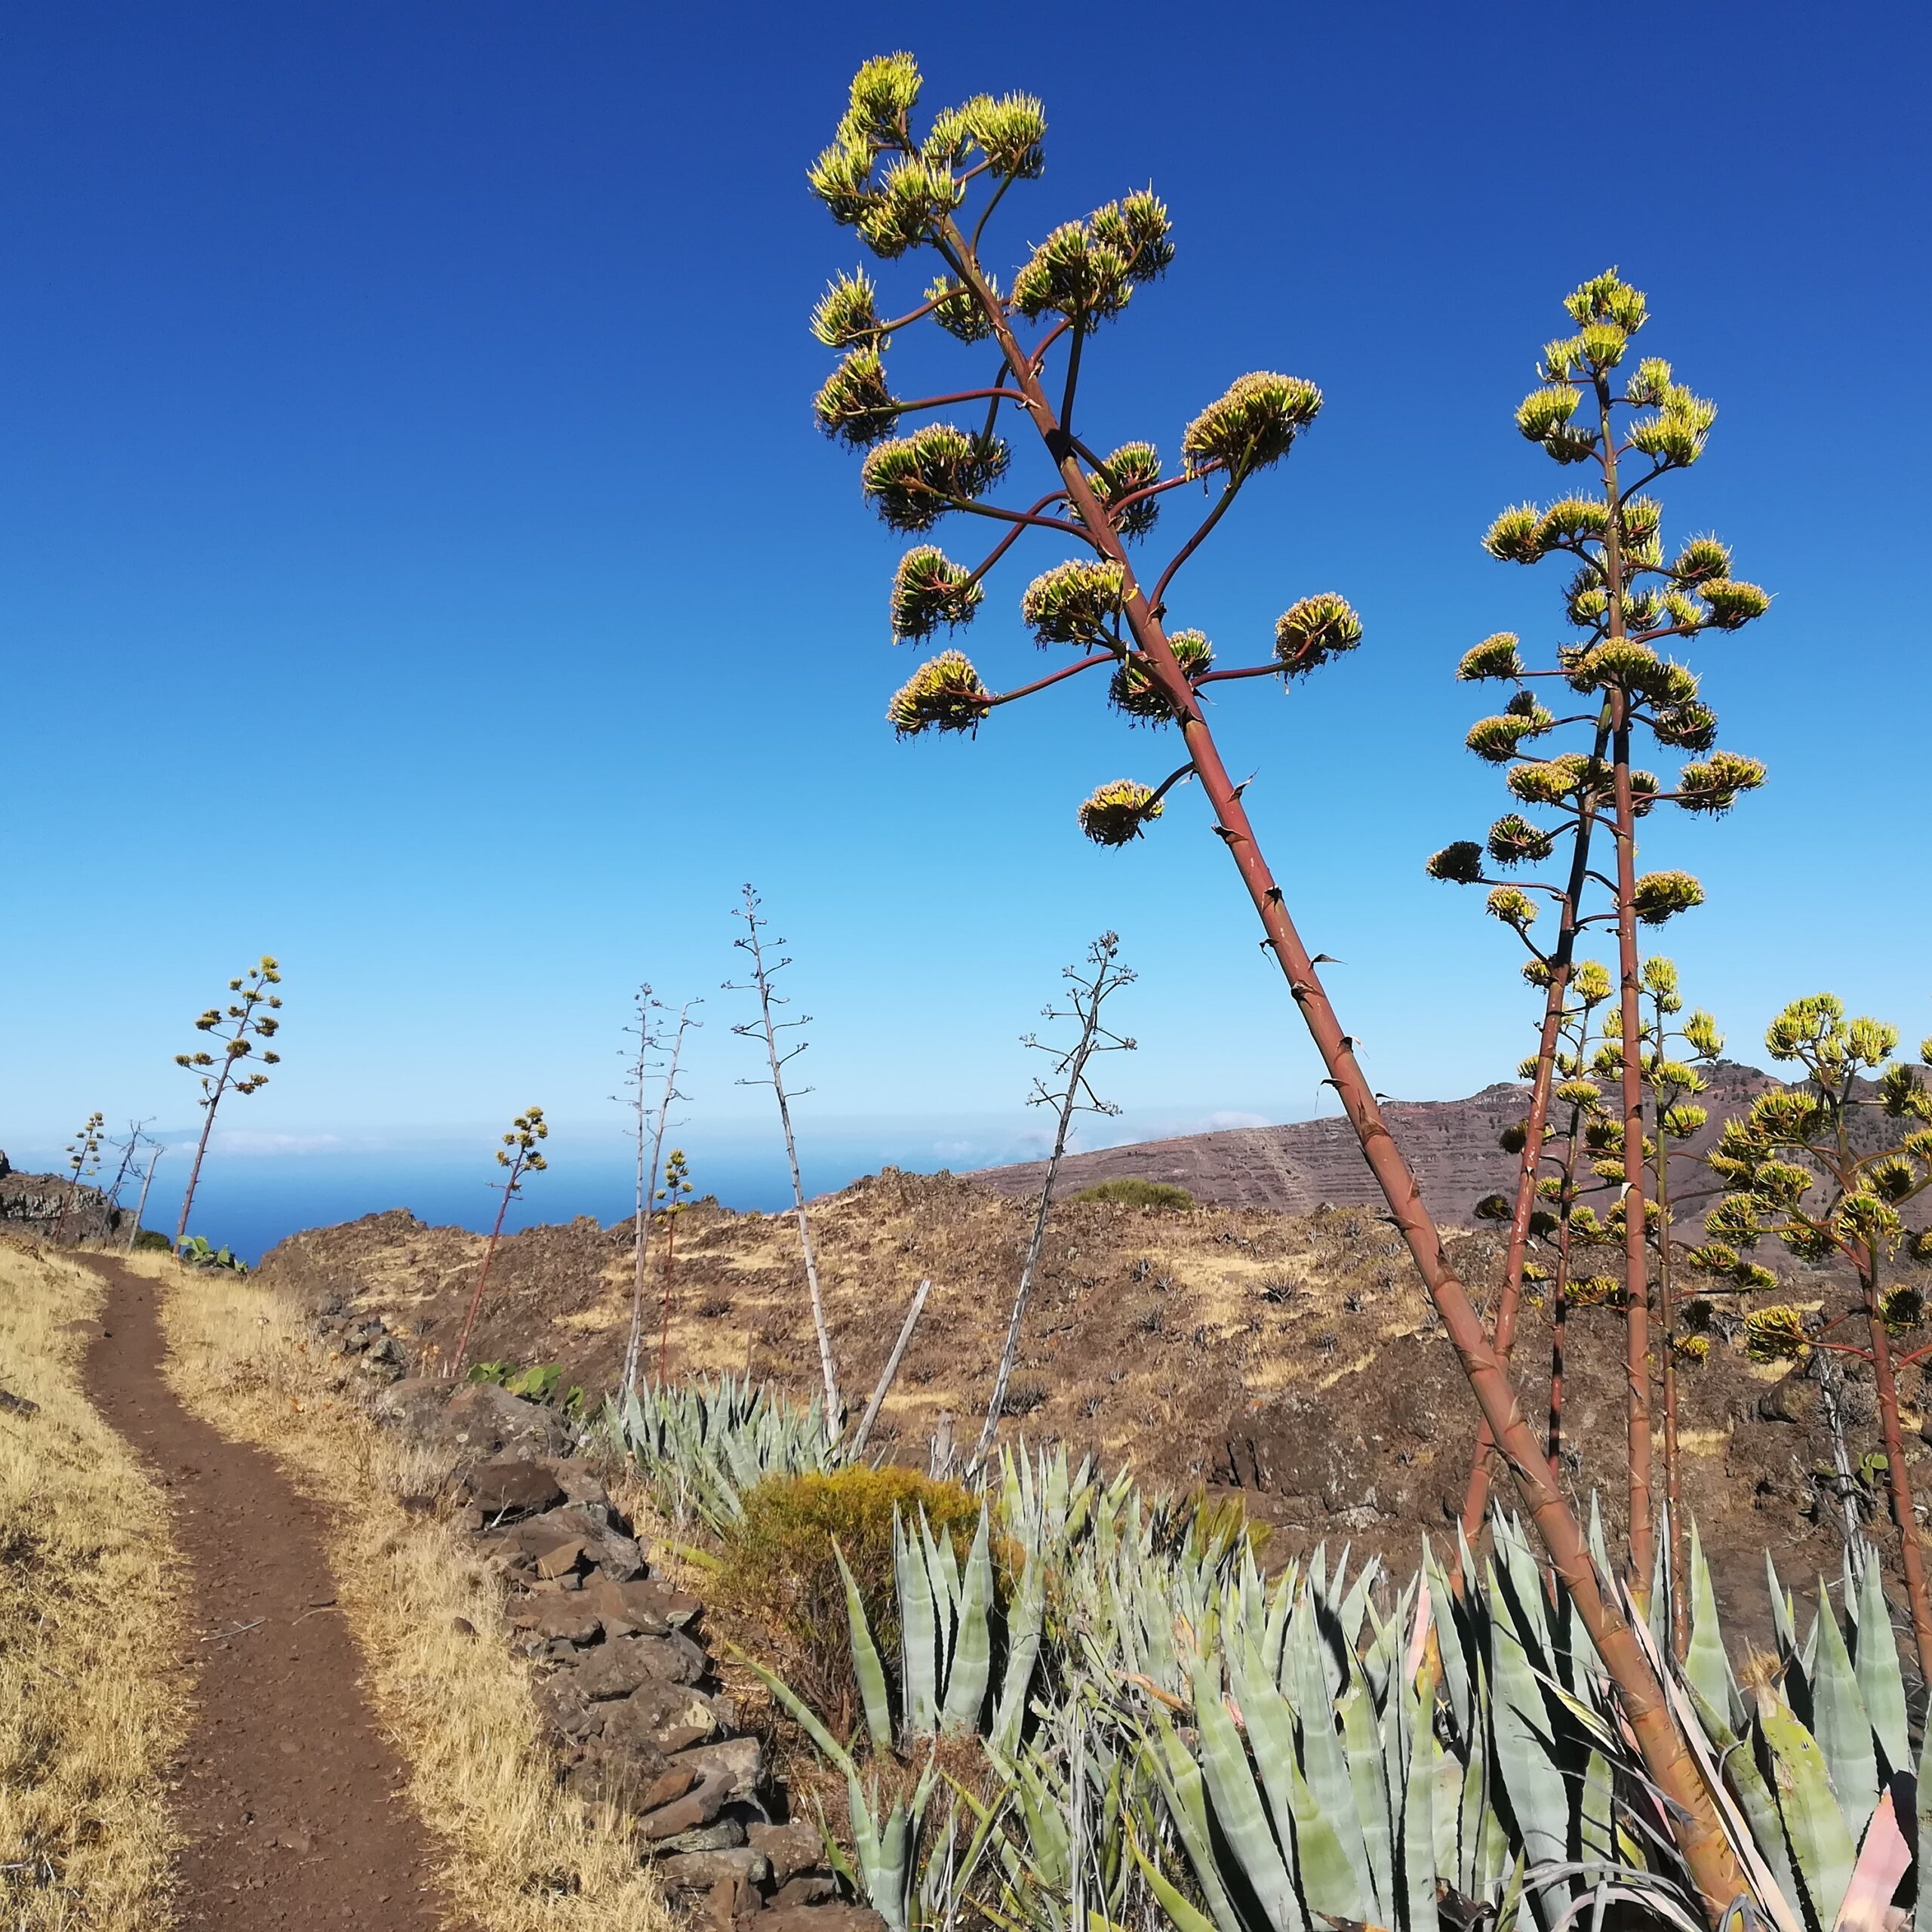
[{"x": 1708, "y": 1855}]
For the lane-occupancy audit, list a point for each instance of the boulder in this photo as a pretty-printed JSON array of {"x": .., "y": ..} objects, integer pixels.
[
  {"x": 666, "y": 1790},
  {"x": 617, "y": 1668},
  {"x": 414, "y": 1404},
  {"x": 517, "y": 1488},
  {"x": 792, "y": 1849},
  {"x": 667, "y": 1717},
  {"x": 1789, "y": 1400},
  {"x": 561, "y": 1619},
  {"x": 653, "y": 1608},
  {"x": 737, "y": 1761},
  {"x": 559, "y": 1559},
  {"x": 698, "y": 1871},
  {"x": 814, "y": 1888},
  {"x": 486, "y": 1421}
]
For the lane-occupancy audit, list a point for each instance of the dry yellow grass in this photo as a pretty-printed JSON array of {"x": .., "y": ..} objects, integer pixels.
[
  {"x": 89, "y": 1716},
  {"x": 516, "y": 1853}
]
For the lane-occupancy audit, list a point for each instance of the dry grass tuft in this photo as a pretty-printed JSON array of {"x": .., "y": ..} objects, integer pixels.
[
  {"x": 518, "y": 1855},
  {"x": 89, "y": 1604}
]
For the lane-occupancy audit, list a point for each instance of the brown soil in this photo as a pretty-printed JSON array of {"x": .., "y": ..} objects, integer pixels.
[
  {"x": 289, "y": 1795},
  {"x": 1292, "y": 1359}
]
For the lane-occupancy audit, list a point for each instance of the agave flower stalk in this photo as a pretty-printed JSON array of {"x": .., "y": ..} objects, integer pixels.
[
  {"x": 519, "y": 1156},
  {"x": 669, "y": 1201},
  {"x": 1623, "y": 602},
  {"x": 141, "y": 1202},
  {"x": 1774, "y": 1156},
  {"x": 83, "y": 1159},
  {"x": 651, "y": 1123},
  {"x": 767, "y": 1027},
  {"x": 903, "y": 194},
  {"x": 248, "y": 1019},
  {"x": 130, "y": 1154},
  {"x": 1070, "y": 1093},
  {"x": 1670, "y": 1058}
]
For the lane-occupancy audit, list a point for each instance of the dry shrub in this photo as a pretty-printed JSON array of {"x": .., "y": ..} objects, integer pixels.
[
  {"x": 514, "y": 1853},
  {"x": 90, "y": 1710},
  {"x": 778, "y": 1578},
  {"x": 1128, "y": 1193}
]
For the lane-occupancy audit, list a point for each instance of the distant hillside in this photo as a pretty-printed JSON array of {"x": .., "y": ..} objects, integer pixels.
[{"x": 1295, "y": 1169}]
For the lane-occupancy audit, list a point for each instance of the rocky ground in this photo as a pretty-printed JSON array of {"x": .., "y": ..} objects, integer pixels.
[{"x": 1291, "y": 1359}]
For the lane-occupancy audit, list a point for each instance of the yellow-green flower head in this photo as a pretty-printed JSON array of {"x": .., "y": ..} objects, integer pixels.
[
  {"x": 1689, "y": 727},
  {"x": 1457, "y": 864},
  {"x": 1594, "y": 1290},
  {"x": 846, "y": 316},
  {"x": 1864, "y": 1217},
  {"x": 1732, "y": 605},
  {"x": 1254, "y": 425},
  {"x": 1074, "y": 273},
  {"x": 1131, "y": 468},
  {"x": 1661, "y": 896},
  {"x": 1513, "y": 906},
  {"x": 1571, "y": 520},
  {"x": 1579, "y": 1093},
  {"x": 841, "y": 179},
  {"x": 1871, "y": 1042},
  {"x": 1903, "y": 1093},
  {"x": 1608, "y": 298},
  {"x": 911, "y": 480},
  {"x": 1495, "y": 740},
  {"x": 1892, "y": 1178},
  {"x": 929, "y": 589},
  {"x": 1115, "y": 814},
  {"x": 957, "y": 312},
  {"x": 1513, "y": 538},
  {"x": 1676, "y": 434},
  {"x": 1809, "y": 1021},
  {"x": 885, "y": 91},
  {"x": 944, "y": 695},
  {"x": 905, "y": 210},
  {"x": 1073, "y": 603},
  {"x": 947, "y": 139},
  {"x": 1133, "y": 691},
  {"x": 1903, "y": 1308},
  {"x": 856, "y": 405},
  {"x": 1555, "y": 781},
  {"x": 1782, "y": 1183},
  {"x": 1702, "y": 560},
  {"x": 1544, "y": 417},
  {"x": 1651, "y": 382},
  {"x": 1603, "y": 344},
  {"x": 1514, "y": 841},
  {"x": 1009, "y": 132},
  {"x": 1136, "y": 228},
  {"x": 1776, "y": 1333},
  {"x": 1495, "y": 657},
  {"x": 1713, "y": 786},
  {"x": 1313, "y": 630},
  {"x": 1692, "y": 1347}
]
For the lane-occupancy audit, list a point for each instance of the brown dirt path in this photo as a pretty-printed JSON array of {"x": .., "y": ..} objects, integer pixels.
[{"x": 289, "y": 1794}]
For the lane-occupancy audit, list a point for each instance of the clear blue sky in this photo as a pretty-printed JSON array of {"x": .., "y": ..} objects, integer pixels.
[{"x": 416, "y": 558}]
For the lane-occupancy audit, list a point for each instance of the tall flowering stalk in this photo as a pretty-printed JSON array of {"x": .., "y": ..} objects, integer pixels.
[
  {"x": 1797, "y": 1176},
  {"x": 651, "y": 1122},
  {"x": 669, "y": 1202},
  {"x": 1628, "y": 427},
  {"x": 905, "y": 192},
  {"x": 517, "y": 1156},
  {"x": 83, "y": 1159},
  {"x": 241, "y": 1028}
]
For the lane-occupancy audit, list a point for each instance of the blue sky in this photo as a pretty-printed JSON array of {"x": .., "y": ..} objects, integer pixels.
[{"x": 416, "y": 559}]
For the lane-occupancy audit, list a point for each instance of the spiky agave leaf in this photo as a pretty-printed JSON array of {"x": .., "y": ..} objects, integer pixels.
[
  {"x": 1460, "y": 863},
  {"x": 1313, "y": 630},
  {"x": 1074, "y": 602},
  {"x": 1133, "y": 691},
  {"x": 856, "y": 405},
  {"x": 1496, "y": 657},
  {"x": 1115, "y": 813},
  {"x": 846, "y": 316},
  {"x": 944, "y": 695},
  {"x": 929, "y": 589},
  {"x": 910, "y": 479},
  {"x": 1661, "y": 896},
  {"x": 1713, "y": 786},
  {"x": 1131, "y": 468},
  {"x": 1254, "y": 425}
]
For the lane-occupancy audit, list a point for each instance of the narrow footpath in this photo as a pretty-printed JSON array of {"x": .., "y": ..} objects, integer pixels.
[{"x": 288, "y": 1793}]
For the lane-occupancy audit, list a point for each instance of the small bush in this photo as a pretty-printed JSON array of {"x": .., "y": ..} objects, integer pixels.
[
  {"x": 152, "y": 1241},
  {"x": 1125, "y": 1192},
  {"x": 778, "y": 1576}
]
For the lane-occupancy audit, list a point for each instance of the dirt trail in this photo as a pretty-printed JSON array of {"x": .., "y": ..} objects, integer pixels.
[{"x": 289, "y": 1794}]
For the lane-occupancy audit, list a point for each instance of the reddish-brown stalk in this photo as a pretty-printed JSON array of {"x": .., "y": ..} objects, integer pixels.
[{"x": 1706, "y": 1849}]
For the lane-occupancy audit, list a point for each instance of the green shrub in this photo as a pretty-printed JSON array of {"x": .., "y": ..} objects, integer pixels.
[
  {"x": 778, "y": 1576},
  {"x": 1129, "y": 1193},
  {"x": 152, "y": 1241}
]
